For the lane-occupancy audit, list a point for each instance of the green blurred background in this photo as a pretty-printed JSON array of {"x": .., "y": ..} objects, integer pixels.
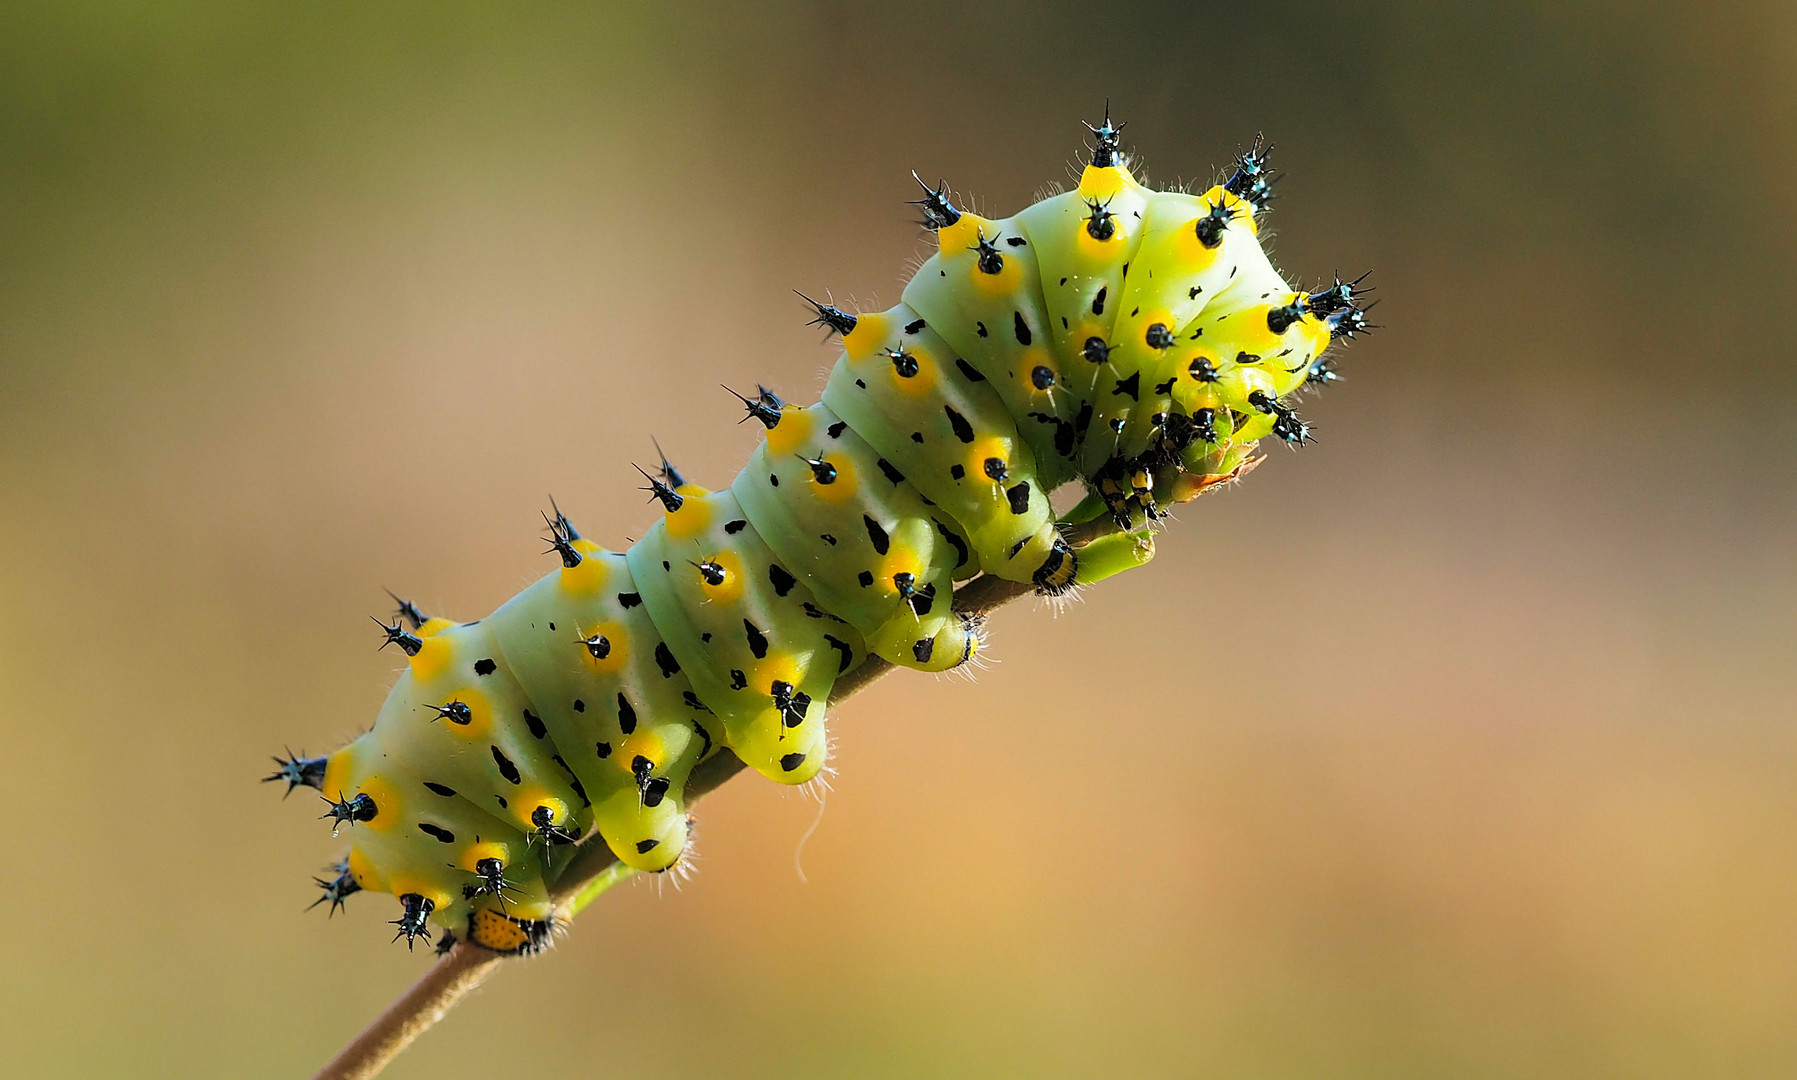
[{"x": 1459, "y": 744}]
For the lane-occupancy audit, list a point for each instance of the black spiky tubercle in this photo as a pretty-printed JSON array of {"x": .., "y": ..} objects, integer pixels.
[
  {"x": 1108, "y": 148},
  {"x": 336, "y": 888},
  {"x": 1347, "y": 324},
  {"x": 491, "y": 882},
  {"x": 349, "y": 811},
  {"x": 408, "y": 611},
  {"x": 669, "y": 474},
  {"x": 659, "y": 490},
  {"x": 832, "y": 318},
  {"x": 561, "y": 538},
  {"x": 548, "y": 831},
  {"x": 409, "y": 642},
  {"x": 1322, "y": 373},
  {"x": 939, "y": 212},
  {"x": 1252, "y": 181},
  {"x": 1337, "y": 297},
  {"x": 414, "y": 918},
  {"x": 298, "y": 771},
  {"x": 764, "y": 407}
]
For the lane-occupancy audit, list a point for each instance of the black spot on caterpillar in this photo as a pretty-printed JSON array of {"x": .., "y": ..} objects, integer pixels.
[
  {"x": 876, "y": 535},
  {"x": 958, "y": 423},
  {"x": 843, "y": 647},
  {"x": 757, "y": 640}
]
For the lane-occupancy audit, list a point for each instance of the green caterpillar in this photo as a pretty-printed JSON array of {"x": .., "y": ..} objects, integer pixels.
[{"x": 1136, "y": 341}]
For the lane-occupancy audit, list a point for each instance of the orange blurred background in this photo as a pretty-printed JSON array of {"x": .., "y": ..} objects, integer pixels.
[{"x": 1458, "y": 744}]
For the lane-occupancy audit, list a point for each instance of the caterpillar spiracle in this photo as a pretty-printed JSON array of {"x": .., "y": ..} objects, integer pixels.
[{"x": 1137, "y": 342}]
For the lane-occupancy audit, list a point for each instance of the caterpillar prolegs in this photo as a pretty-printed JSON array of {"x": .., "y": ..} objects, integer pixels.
[{"x": 1138, "y": 342}]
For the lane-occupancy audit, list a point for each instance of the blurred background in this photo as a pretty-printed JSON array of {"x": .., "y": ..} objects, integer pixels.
[{"x": 1460, "y": 744}]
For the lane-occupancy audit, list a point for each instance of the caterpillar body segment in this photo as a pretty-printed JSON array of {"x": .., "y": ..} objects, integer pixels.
[
  {"x": 1085, "y": 241},
  {"x": 903, "y": 388},
  {"x": 1135, "y": 341},
  {"x": 981, "y": 293},
  {"x": 873, "y": 555},
  {"x": 578, "y": 633},
  {"x": 735, "y": 621}
]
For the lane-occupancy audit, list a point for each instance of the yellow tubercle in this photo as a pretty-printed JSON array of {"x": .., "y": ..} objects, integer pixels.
[
  {"x": 1096, "y": 251},
  {"x": 644, "y": 744},
  {"x": 336, "y": 771},
  {"x": 778, "y": 667},
  {"x": 695, "y": 514},
  {"x": 1189, "y": 392},
  {"x": 362, "y": 868},
  {"x": 1244, "y": 210},
  {"x": 870, "y": 332},
  {"x": 1248, "y": 333},
  {"x": 479, "y": 713},
  {"x": 1007, "y": 281},
  {"x": 1141, "y": 322},
  {"x": 1238, "y": 384},
  {"x": 792, "y": 432},
  {"x": 963, "y": 235},
  {"x": 919, "y": 382},
  {"x": 899, "y": 560},
  {"x": 434, "y": 656},
  {"x": 401, "y": 884},
  {"x": 981, "y": 452},
  {"x": 842, "y": 486},
  {"x": 387, "y": 805},
  {"x": 591, "y": 574},
  {"x": 1081, "y": 332},
  {"x": 730, "y": 589},
  {"x": 434, "y": 626},
  {"x": 1103, "y": 184},
  {"x": 617, "y": 640},
  {"x": 1028, "y": 361},
  {"x": 1190, "y": 256},
  {"x": 484, "y": 849},
  {"x": 526, "y": 799}
]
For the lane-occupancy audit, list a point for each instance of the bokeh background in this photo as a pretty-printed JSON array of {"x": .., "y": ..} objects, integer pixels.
[{"x": 1459, "y": 744}]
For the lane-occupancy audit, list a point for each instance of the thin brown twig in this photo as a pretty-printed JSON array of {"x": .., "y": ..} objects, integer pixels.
[{"x": 467, "y": 965}]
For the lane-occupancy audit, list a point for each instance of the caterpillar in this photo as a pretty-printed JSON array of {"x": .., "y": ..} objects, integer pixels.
[{"x": 1136, "y": 342}]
